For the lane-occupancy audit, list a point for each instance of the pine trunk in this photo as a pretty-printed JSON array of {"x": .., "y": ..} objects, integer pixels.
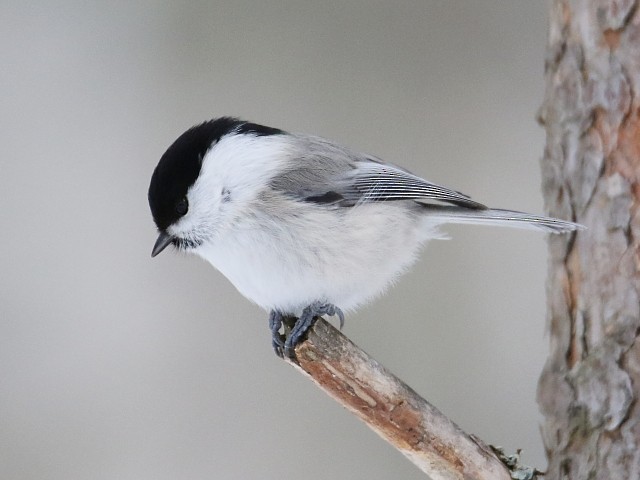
[{"x": 590, "y": 386}]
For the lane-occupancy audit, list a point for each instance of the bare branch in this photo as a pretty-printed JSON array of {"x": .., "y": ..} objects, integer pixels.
[{"x": 393, "y": 410}]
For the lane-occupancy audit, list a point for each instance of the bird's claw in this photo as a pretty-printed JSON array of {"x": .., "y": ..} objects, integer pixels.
[
  {"x": 309, "y": 315},
  {"x": 277, "y": 339}
]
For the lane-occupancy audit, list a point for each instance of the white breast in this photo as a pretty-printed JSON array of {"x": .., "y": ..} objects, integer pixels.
[{"x": 303, "y": 253}]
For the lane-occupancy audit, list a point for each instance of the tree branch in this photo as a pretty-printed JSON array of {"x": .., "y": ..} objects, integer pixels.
[{"x": 392, "y": 409}]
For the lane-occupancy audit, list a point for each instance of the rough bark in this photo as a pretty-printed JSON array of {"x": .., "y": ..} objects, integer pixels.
[
  {"x": 590, "y": 385},
  {"x": 396, "y": 412}
]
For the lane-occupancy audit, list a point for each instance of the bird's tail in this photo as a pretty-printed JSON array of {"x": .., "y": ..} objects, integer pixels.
[{"x": 505, "y": 218}]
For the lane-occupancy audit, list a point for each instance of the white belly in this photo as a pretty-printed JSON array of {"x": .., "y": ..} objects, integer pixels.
[{"x": 344, "y": 259}]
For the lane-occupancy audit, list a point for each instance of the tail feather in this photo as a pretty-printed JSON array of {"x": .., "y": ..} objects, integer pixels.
[{"x": 506, "y": 218}]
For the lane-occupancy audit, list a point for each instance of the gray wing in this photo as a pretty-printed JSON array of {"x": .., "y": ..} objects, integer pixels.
[
  {"x": 374, "y": 181},
  {"x": 324, "y": 173}
]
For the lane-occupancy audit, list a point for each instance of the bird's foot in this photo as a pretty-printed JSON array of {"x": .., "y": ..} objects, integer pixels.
[
  {"x": 277, "y": 339},
  {"x": 295, "y": 328},
  {"x": 306, "y": 321}
]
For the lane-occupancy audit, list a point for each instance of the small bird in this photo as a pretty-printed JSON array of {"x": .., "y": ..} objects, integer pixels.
[{"x": 300, "y": 225}]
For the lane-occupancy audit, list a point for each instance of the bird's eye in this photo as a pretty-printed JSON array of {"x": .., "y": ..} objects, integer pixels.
[{"x": 182, "y": 206}]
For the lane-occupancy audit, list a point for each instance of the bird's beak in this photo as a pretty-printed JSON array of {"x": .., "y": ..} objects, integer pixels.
[{"x": 163, "y": 241}]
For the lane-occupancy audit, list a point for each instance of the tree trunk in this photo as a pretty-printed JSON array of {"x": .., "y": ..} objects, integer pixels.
[{"x": 590, "y": 386}]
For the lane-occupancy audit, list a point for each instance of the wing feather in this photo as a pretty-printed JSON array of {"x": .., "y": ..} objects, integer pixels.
[
  {"x": 373, "y": 181},
  {"x": 322, "y": 172}
]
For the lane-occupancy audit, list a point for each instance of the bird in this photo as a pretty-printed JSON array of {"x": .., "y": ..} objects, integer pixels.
[{"x": 300, "y": 225}]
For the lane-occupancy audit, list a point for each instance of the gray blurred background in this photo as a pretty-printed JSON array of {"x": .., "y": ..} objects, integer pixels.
[{"x": 117, "y": 366}]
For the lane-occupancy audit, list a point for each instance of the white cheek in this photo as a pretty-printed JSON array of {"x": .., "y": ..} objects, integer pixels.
[
  {"x": 202, "y": 217},
  {"x": 243, "y": 165},
  {"x": 233, "y": 174},
  {"x": 234, "y": 171}
]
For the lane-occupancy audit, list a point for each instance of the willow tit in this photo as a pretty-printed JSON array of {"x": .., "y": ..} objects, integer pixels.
[{"x": 301, "y": 226}]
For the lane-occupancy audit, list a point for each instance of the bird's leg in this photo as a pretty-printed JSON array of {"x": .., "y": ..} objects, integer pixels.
[
  {"x": 306, "y": 320},
  {"x": 277, "y": 339}
]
